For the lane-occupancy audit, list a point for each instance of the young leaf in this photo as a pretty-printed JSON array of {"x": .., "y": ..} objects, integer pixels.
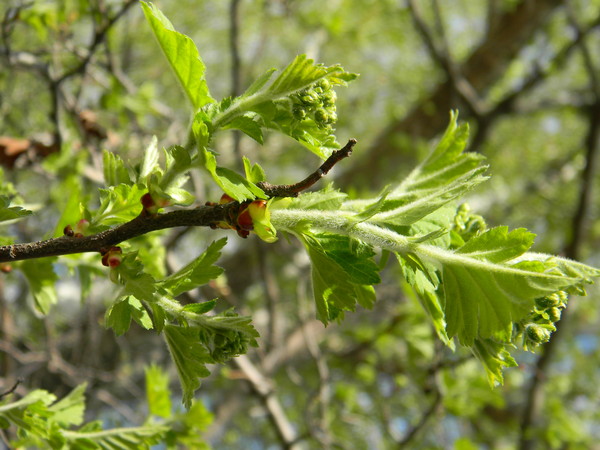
[
  {"x": 254, "y": 173},
  {"x": 119, "y": 315},
  {"x": 342, "y": 273},
  {"x": 11, "y": 212},
  {"x": 198, "y": 272},
  {"x": 158, "y": 394},
  {"x": 116, "y": 438},
  {"x": 70, "y": 409},
  {"x": 150, "y": 162},
  {"x": 41, "y": 277},
  {"x": 115, "y": 171},
  {"x": 190, "y": 358},
  {"x": 182, "y": 54},
  {"x": 494, "y": 356},
  {"x": 498, "y": 244}
]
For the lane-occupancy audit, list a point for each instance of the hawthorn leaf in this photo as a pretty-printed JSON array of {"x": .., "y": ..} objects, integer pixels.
[
  {"x": 258, "y": 84},
  {"x": 248, "y": 126},
  {"x": 158, "y": 394},
  {"x": 301, "y": 73},
  {"x": 196, "y": 273},
  {"x": 150, "y": 161},
  {"x": 343, "y": 272},
  {"x": 325, "y": 199},
  {"x": 190, "y": 357},
  {"x": 119, "y": 315},
  {"x": 498, "y": 244},
  {"x": 494, "y": 356},
  {"x": 200, "y": 308},
  {"x": 114, "y": 169},
  {"x": 482, "y": 299},
  {"x": 11, "y": 212},
  {"x": 182, "y": 55},
  {"x": 118, "y": 204},
  {"x": 42, "y": 279},
  {"x": 130, "y": 438},
  {"x": 70, "y": 409},
  {"x": 254, "y": 173}
]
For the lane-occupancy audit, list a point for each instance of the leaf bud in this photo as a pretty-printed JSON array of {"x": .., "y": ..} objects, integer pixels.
[
  {"x": 112, "y": 257},
  {"x": 536, "y": 334}
]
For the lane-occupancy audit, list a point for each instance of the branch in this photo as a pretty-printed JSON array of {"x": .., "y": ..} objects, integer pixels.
[
  {"x": 142, "y": 224},
  {"x": 292, "y": 190}
]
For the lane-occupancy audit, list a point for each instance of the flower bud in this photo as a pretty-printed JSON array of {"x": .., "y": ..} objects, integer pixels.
[{"x": 261, "y": 220}]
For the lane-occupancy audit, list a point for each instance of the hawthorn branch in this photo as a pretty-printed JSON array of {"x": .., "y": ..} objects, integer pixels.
[
  {"x": 206, "y": 215},
  {"x": 292, "y": 190},
  {"x": 142, "y": 224}
]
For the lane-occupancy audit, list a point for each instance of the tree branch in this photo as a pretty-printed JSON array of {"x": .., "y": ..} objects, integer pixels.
[
  {"x": 292, "y": 190},
  {"x": 207, "y": 215}
]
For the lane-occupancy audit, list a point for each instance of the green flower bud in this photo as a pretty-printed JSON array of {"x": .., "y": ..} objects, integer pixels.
[
  {"x": 299, "y": 112},
  {"x": 324, "y": 84},
  {"x": 321, "y": 116},
  {"x": 261, "y": 219},
  {"x": 554, "y": 314},
  {"x": 536, "y": 334}
]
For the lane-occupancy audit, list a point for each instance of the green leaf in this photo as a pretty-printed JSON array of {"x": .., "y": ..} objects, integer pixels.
[
  {"x": 131, "y": 438},
  {"x": 248, "y": 126},
  {"x": 232, "y": 183},
  {"x": 70, "y": 409},
  {"x": 446, "y": 175},
  {"x": 190, "y": 358},
  {"x": 41, "y": 278},
  {"x": 254, "y": 173},
  {"x": 119, "y": 315},
  {"x": 301, "y": 73},
  {"x": 118, "y": 204},
  {"x": 483, "y": 299},
  {"x": 11, "y": 212},
  {"x": 325, "y": 199},
  {"x": 342, "y": 272},
  {"x": 158, "y": 394},
  {"x": 115, "y": 171},
  {"x": 136, "y": 282},
  {"x": 198, "y": 272},
  {"x": 200, "y": 308},
  {"x": 150, "y": 161},
  {"x": 182, "y": 54},
  {"x": 494, "y": 356},
  {"x": 498, "y": 244}
]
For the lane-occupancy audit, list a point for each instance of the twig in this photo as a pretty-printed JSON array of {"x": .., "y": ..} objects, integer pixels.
[
  {"x": 427, "y": 414},
  {"x": 292, "y": 190},
  {"x": 12, "y": 389}
]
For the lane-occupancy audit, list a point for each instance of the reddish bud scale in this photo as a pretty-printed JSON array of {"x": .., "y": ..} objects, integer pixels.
[
  {"x": 68, "y": 231},
  {"x": 112, "y": 257},
  {"x": 5, "y": 268},
  {"x": 147, "y": 201},
  {"x": 244, "y": 220}
]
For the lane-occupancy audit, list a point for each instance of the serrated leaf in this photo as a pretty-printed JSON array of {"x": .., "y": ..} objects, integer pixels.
[
  {"x": 494, "y": 356},
  {"x": 301, "y": 73},
  {"x": 158, "y": 394},
  {"x": 483, "y": 299},
  {"x": 248, "y": 126},
  {"x": 182, "y": 54},
  {"x": 196, "y": 273},
  {"x": 41, "y": 278},
  {"x": 70, "y": 409},
  {"x": 150, "y": 161},
  {"x": 498, "y": 244},
  {"x": 190, "y": 358},
  {"x": 254, "y": 173},
  {"x": 131, "y": 438},
  {"x": 259, "y": 83},
  {"x": 11, "y": 212},
  {"x": 119, "y": 315},
  {"x": 325, "y": 199},
  {"x": 342, "y": 275},
  {"x": 118, "y": 204},
  {"x": 200, "y": 308},
  {"x": 232, "y": 183},
  {"x": 115, "y": 171}
]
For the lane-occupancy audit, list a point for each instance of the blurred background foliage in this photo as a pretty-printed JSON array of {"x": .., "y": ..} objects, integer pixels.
[{"x": 77, "y": 77}]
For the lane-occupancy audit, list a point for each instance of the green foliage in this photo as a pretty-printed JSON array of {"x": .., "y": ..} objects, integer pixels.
[{"x": 481, "y": 288}]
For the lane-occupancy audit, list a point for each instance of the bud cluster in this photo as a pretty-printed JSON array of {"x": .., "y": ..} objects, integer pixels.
[
  {"x": 317, "y": 102},
  {"x": 539, "y": 325},
  {"x": 468, "y": 224},
  {"x": 249, "y": 216}
]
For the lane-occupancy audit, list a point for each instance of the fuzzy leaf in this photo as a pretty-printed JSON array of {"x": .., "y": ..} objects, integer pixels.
[
  {"x": 182, "y": 54},
  {"x": 190, "y": 358},
  {"x": 198, "y": 272},
  {"x": 115, "y": 171}
]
